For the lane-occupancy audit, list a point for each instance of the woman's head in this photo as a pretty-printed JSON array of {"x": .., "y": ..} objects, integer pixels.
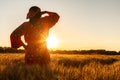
[{"x": 34, "y": 11}]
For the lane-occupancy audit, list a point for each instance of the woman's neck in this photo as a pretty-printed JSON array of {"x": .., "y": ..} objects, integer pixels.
[{"x": 33, "y": 21}]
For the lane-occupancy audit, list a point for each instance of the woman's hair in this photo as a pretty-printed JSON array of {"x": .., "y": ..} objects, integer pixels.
[{"x": 35, "y": 9}]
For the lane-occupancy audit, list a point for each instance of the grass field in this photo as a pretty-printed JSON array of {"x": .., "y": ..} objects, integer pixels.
[{"x": 63, "y": 67}]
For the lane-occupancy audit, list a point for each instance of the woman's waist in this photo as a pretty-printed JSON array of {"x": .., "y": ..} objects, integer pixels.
[{"x": 36, "y": 43}]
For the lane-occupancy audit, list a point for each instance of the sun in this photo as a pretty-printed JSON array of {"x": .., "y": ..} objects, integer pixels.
[{"x": 52, "y": 41}]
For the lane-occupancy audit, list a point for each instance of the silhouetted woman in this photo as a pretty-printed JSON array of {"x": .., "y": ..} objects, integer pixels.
[{"x": 35, "y": 33}]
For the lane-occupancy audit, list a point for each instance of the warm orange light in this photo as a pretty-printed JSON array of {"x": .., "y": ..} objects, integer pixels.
[{"x": 52, "y": 41}]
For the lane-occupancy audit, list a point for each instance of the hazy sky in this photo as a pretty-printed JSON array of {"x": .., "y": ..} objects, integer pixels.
[{"x": 83, "y": 24}]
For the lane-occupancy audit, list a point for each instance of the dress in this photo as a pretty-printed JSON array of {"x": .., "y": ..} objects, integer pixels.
[{"x": 35, "y": 36}]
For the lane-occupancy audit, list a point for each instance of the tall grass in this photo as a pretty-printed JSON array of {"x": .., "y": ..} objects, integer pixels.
[{"x": 63, "y": 67}]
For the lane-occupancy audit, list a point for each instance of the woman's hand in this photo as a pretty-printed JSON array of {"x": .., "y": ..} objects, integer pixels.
[
  {"x": 44, "y": 12},
  {"x": 24, "y": 46}
]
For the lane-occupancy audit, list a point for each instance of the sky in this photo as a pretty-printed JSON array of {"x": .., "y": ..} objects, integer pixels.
[{"x": 83, "y": 24}]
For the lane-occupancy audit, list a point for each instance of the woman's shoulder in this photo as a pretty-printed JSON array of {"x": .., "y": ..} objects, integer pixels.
[{"x": 26, "y": 24}]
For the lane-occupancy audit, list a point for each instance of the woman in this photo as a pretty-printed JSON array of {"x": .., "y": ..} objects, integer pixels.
[{"x": 35, "y": 33}]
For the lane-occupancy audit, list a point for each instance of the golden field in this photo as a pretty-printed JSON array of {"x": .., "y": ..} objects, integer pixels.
[{"x": 63, "y": 67}]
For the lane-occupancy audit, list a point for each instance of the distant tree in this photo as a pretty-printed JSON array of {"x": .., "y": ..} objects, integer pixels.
[{"x": 1, "y": 49}]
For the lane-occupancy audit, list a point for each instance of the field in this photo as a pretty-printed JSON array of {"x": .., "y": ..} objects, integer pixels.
[{"x": 63, "y": 67}]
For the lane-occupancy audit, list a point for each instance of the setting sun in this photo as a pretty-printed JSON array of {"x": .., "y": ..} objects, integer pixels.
[{"x": 52, "y": 41}]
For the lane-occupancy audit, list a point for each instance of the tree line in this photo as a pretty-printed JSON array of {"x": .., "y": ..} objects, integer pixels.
[
  {"x": 90, "y": 52},
  {"x": 104, "y": 52},
  {"x": 11, "y": 50}
]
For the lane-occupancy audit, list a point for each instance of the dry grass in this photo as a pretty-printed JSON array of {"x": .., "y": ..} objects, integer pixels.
[{"x": 63, "y": 67}]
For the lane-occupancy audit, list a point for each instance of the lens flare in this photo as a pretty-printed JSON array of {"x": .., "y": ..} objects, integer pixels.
[{"x": 52, "y": 41}]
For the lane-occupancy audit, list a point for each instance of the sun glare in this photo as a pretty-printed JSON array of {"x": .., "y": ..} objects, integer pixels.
[{"x": 52, "y": 41}]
